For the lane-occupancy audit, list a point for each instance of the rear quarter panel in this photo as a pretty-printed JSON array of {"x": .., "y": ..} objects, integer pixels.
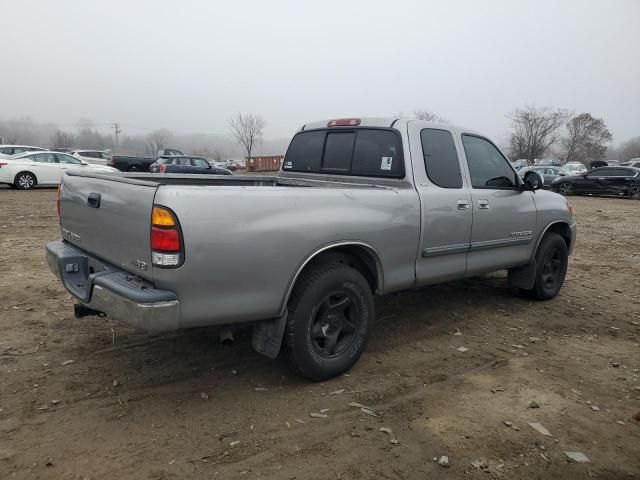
[{"x": 244, "y": 245}]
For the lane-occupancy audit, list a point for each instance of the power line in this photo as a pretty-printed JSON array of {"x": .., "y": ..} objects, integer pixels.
[{"x": 116, "y": 130}]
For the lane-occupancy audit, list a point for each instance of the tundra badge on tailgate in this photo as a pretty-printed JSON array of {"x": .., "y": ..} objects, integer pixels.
[
  {"x": 70, "y": 235},
  {"x": 140, "y": 264}
]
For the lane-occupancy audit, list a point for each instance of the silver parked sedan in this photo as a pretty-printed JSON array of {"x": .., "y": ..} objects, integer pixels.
[{"x": 549, "y": 174}]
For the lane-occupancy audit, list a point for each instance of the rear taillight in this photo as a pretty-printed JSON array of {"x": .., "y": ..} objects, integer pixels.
[
  {"x": 163, "y": 167},
  {"x": 166, "y": 238},
  {"x": 2, "y": 164}
]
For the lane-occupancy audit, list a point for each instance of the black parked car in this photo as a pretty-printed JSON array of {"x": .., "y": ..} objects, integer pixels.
[
  {"x": 601, "y": 181},
  {"x": 186, "y": 164}
]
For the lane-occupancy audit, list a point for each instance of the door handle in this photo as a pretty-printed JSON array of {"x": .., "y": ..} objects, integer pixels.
[
  {"x": 463, "y": 205},
  {"x": 483, "y": 204}
]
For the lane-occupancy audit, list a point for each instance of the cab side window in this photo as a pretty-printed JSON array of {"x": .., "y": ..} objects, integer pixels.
[
  {"x": 487, "y": 167},
  {"x": 441, "y": 158}
]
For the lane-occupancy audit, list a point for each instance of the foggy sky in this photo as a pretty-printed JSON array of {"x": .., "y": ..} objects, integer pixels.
[{"x": 190, "y": 65}]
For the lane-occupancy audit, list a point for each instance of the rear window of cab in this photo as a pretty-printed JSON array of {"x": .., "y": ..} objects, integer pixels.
[{"x": 368, "y": 152}]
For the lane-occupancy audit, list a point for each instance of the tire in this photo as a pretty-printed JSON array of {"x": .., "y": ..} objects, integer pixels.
[
  {"x": 330, "y": 309},
  {"x": 566, "y": 189},
  {"x": 634, "y": 191},
  {"x": 134, "y": 169},
  {"x": 551, "y": 267},
  {"x": 25, "y": 181}
]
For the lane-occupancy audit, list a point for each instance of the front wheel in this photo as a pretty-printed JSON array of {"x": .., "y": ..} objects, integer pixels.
[
  {"x": 551, "y": 267},
  {"x": 25, "y": 181},
  {"x": 634, "y": 191},
  {"x": 565, "y": 189},
  {"x": 328, "y": 323}
]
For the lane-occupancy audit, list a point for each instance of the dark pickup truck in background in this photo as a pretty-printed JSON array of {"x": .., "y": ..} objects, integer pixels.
[
  {"x": 186, "y": 164},
  {"x": 126, "y": 163}
]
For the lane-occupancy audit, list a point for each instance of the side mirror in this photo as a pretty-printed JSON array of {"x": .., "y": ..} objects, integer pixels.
[{"x": 533, "y": 181}]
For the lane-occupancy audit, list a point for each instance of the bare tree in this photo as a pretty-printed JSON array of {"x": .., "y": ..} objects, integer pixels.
[
  {"x": 423, "y": 114},
  {"x": 630, "y": 149},
  {"x": 62, "y": 139},
  {"x": 586, "y": 138},
  {"x": 247, "y": 130},
  {"x": 157, "y": 140},
  {"x": 535, "y": 130}
]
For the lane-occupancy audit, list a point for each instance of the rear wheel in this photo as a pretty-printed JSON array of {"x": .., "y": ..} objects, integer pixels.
[
  {"x": 25, "y": 181},
  {"x": 329, "y": 314},
  {"x": 551, "y": 267},
  {"x": 565, "y": 188},
  {"x": 134, "y": 169}
]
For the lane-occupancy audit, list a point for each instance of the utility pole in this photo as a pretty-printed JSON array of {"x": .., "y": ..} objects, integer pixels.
[{"x": 117, "y": 130}]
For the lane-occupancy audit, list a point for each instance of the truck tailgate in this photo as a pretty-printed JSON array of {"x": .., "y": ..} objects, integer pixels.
[{"x": 109, "y": 217}]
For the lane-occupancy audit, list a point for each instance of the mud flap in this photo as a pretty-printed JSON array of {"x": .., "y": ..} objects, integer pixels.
[
  {"x": 523, "y": 277},
  {"x": 267, "y": 336}
]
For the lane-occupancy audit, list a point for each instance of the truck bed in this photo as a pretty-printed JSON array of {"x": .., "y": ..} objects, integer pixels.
[{"x": 244, "y": 244}]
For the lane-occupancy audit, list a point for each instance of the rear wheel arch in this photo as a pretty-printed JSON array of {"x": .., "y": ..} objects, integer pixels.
[{"x": 358, "y": 255}]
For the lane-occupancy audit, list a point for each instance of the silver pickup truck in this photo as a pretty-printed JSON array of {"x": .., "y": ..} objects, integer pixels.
[{"x": 359, "y": 207}]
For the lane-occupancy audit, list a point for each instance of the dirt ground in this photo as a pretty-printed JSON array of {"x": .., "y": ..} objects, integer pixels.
[{"x": 92, "y": 399}]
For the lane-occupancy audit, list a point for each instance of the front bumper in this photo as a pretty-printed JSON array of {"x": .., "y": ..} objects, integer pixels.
[{"x": 107, "y": 289}]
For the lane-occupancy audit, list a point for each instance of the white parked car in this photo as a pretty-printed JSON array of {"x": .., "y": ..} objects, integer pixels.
[
  {"x": 26, "y": 170},
  {"x": 574, "y": 168},
  {"x": 95, "y": 157},
  {"x": 7, "y": 151}
]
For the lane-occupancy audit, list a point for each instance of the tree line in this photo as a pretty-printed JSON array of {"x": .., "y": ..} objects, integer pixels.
[
  {"x": 539, "y": 132},
  {"x": 535, "y": 132}
]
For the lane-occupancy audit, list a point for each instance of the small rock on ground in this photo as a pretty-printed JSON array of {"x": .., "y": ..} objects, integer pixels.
[{"x": 577, "y": 457}]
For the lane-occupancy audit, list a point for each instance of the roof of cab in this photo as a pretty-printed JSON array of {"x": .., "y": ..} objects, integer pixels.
[{"x": 385, "y": 122}]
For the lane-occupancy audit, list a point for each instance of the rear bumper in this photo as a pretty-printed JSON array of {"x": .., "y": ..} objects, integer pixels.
[{"x": 104, "y": 288}]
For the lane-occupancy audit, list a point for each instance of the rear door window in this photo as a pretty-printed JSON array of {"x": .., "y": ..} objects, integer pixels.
[
  {"x": 603, "y": 172},
  {"x": 200, "y": 162},
  {"x": 45, "y": 158},
  {"x": 441, "y": 158},
  {"x": 64, "y": 158}
]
